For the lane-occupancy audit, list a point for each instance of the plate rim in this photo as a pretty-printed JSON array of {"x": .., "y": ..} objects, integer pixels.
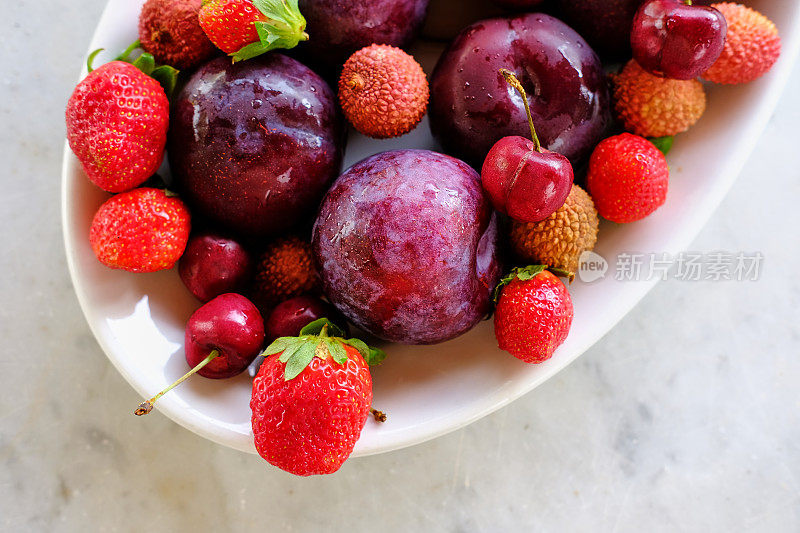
[{"x": 729, "y": 170}]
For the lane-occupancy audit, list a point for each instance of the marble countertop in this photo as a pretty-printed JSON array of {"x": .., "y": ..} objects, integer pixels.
[{"x": 686, "y": 416}]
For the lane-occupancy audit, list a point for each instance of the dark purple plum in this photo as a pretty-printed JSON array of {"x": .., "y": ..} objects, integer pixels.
[
  {"x": 406, "y": 246},
  {"x": 443, "y": 22},
  {"x": 605, "y": 24},
  {"x": 214, "y": 264},
  {"x": 337, "y": 28},
  {"x": 472, "y": 107},
  {"x": 289, "y": 317},
  {"x": 255, "y": 144}
]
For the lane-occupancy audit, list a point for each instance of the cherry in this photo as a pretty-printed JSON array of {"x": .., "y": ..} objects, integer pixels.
[
  {"x": 289, "y": 317},
  {"x": 213, "y": 264},
  {"x": 523, "y": 180},
  {"x": 674, "y": 39},
  {"x": 222, "y": 339}
]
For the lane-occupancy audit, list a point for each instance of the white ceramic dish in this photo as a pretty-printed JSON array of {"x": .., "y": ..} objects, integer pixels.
[{"x": 427, "y": 391}]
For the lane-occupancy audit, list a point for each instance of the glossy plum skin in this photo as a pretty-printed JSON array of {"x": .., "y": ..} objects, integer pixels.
[
  {"x": 675, "y": 40},
  {"x": 337, "y": 28},
  {"x": 472, "y": 106},
  {"x": 605, "y": 24},
  {"x": 214, "y": 264},
  {"x": 406, "y": 246},
  {"x": 524, "y": 184},
  {"x": 231, "y": 324},
  {"x": 289, "y": 317},
  {"x": 255, "y": 144}
]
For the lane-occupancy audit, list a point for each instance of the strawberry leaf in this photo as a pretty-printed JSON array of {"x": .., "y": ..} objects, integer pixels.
[
  {"x": 372, "y": 356},
  {"x": 167, "y": 76},
  {"x": 145, "y": 62},
  {"x": 524, "y": 274},
  {"x": 376, "y": 356},
  {"x": 279, "y": 345},
  {"x": 315, "y": 328},
  {"x": 337, "y": 351},
  {"x": 284, "y": 28},
  {"x": 90, "y": 59},
  {"x": 299, "y": 360},
  {"x": 664, "y": 144},
  {"x": 290, "y": 350}
]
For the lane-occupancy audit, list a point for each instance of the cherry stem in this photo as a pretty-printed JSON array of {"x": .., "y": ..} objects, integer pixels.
[
  {"x": 146, "y": 407},
  {"x": 512, "y": 80},
  {"x": 687, "y": 2},
  {"x": 379, "y": 416}
]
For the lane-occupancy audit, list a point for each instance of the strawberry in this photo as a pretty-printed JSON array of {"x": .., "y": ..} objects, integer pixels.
[
  {"x": 628, "y": 178},
  {"x": 533, "y": 314},
  {"x": 117, "y": 120},
  {"x": 247, "y": 28},
  {"x": 142, "y": 230},
  {"x": 311, "y": 398}
]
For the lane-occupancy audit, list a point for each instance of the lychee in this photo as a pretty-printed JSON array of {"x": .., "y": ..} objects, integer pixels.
[
  {"x": 752, "y": 46},
  {"x": 656, "y": 107},
  {"x": 285, "y": 270},
  {"x": 170, "y": 30},
  {"x": 559, "y": 240},
  {"x": 383, "y": 91}
]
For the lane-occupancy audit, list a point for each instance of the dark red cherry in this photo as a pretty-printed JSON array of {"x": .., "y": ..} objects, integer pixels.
[
  {"x": 675, "y": 39},
  {"x": 222, "y": 339},
  {"x": 521, "y": 179},
  {"x": 289, "y": 317},
  {"x": 214, "y": 264}
]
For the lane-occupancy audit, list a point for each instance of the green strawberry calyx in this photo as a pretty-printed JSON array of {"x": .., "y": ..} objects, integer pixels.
[
  {"x": 664, "y": 144},
  {"x": 527, "y": 273},
  {"x": 321, "y": 338},
  {"x": 166, "y": 75},
  {"x": 284, "y": 27}
]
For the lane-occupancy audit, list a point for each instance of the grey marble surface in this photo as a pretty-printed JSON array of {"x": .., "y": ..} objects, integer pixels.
[{"x": 685, "y": 417}]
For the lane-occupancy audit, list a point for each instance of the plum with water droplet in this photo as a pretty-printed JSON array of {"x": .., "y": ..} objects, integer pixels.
[
  {"x": 337, "y": 28},
  {"x": 406, "y": 246},
  {"x": 254, "y": 145},
  {"x": 472, "y": 107}
]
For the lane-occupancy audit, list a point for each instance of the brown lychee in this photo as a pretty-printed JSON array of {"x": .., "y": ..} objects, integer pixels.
[
  {"x": 559, "y": 240},
  {"x": 752, "y": 46},
  {"x": 285, "y": 270},
  {"x": 656, "y": 107},
  {"x": 383, "y": 91},
  {"x": 170, "y": 30}
]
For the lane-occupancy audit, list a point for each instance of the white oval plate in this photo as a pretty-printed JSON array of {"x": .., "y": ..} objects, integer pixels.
[{"x": 426, "y": 391}]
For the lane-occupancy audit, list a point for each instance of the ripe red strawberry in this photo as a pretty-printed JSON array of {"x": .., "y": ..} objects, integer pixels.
[
  {"x": 142, "y": 230},
  {"x": 311, "y": 398},
  {"x": 628, "y": 178},
  {"x": 117, "y": 121},
  {"x": 247, "y": 28},
  {"x": 533, "y": 314}
]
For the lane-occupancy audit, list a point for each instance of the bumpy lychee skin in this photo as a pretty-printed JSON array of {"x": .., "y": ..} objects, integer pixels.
[
  {"x": 170, "y": 30},
  {"x": 656, "y": 107},
  {"x": 285, "y": 270},
  {"x": 559, "y": 240},
  {"x": 383, "y": 91},
  {"x": 752, "y": 46}
]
